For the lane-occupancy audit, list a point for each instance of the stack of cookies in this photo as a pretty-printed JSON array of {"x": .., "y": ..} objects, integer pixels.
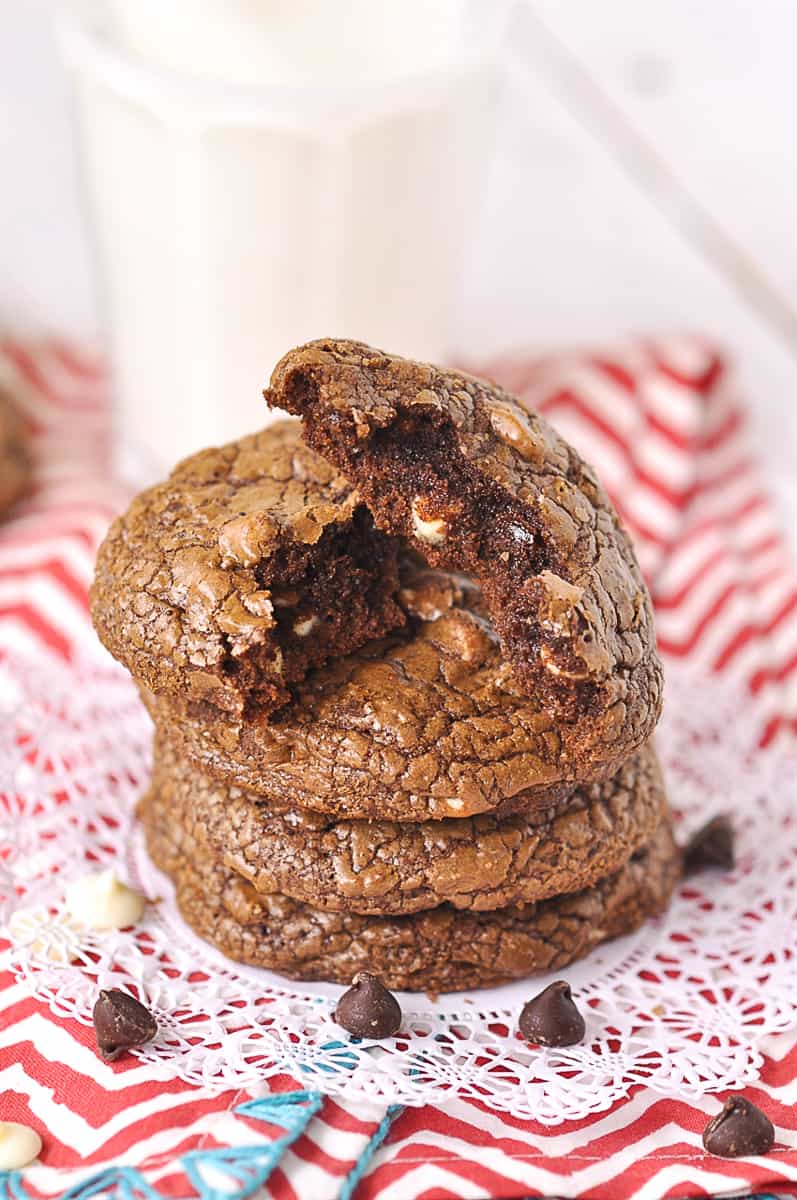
[{"x": 402, "y": 669}]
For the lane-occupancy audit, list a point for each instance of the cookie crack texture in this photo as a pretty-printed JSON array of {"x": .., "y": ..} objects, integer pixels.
[
  {"x": 426, "y": 723},
  {"x": 479, "y": 484},
  {"x": 444, "y": 949},
  {"x": 385, "y": 867}
]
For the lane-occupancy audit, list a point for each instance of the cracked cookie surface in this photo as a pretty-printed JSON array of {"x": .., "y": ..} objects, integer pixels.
[
  {"x": 445, "y": 949},
  {"x": 250, "y": 564},
  {"x": 384, "y": 867},
  {"x": 15, "y": 460},
  {"x": 427, "y": 723},
  {"x": 479, "y": 484}
]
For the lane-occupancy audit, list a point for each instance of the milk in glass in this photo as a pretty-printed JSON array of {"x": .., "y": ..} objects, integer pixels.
[{"x": 262, "y": 172}]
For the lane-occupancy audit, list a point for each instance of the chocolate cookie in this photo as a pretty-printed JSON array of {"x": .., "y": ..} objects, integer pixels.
[
  {"x": 429, "y": 722},
  {"x": 250, "y": 564},
  {"x": 15, "y": 462},
  {"x": 479, "y": 484},
  {"x": 382, "y": 867},
  {"x": 442, "y": 950}
]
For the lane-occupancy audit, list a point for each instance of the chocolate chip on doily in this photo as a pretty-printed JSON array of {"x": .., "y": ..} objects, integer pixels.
[
  {"x": 368, "y": 1009},
  {"x": 739, "y": 1131},
  {"x": 551, "y": 1018},
  {"x": 711, "y": 846},
  {"x": 121, "y": 1021}
]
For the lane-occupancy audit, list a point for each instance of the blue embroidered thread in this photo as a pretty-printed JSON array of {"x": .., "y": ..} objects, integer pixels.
[
  {"x": 377, "y": 1137},
  {"x": 248, "y": 1167},
  {"x": 244, "y": 1168},
  {"x": 112, "y": 1183}
]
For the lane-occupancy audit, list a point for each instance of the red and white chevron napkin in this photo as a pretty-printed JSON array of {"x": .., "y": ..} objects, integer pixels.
[{"x": 663, "y": 424}]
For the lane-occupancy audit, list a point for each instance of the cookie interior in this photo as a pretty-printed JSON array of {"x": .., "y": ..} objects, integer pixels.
[
  {"x": 328, "y": 600},
  {"x": 250, "y": 565},
  {"x": 401, "y": 447}
]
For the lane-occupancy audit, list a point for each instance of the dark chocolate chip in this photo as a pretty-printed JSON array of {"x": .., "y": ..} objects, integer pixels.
[
  {"x": 120, "y": 1022},
  {"x": 711, "y": 846},
  {"x": 368, "y": 1009},
  {"x": 739, "y": 1131},
  {"x": 551, "y": 1018}
]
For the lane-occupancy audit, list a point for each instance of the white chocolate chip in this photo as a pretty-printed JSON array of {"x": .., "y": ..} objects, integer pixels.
[
  {"x": 433, "y": 531},
  {"x": 104, "y": 902},
  {"x": 302, "y": 628},
  {"x": 554, "y": 669},
  {"x": 512, "y": 426},
  {"x": 531, "y": 438},
  {"x": 520, "y": 534},
  {"x": 19, "y": 1145}
]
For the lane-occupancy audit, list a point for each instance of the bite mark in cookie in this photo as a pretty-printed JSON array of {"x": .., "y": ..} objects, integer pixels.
[
  {"x": 427, "y": 723},
  {"x": 480, "y": 485},
  {"x": 251, "y": 564}
]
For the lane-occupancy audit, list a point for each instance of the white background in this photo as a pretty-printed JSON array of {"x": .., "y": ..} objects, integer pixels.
[{"x": 644, "y": 179}]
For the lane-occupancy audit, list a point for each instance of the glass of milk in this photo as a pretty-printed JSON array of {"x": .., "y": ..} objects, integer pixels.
[{"x": 262, "y": 172}]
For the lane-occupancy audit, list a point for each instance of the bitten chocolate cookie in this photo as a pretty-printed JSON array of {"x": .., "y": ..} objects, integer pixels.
[
  {"x": 429, "y": 722},
  {"x": 15, "y": 462},
  {"x": 479, "y": 484},
  {"x": 382, "y": 867},
  {"x": 250, "y": 564},
  {"x": 441, "y": 950}
]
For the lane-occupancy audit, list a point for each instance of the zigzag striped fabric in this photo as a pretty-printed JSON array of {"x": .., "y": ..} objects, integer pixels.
[{"x": 665, "y": 427}]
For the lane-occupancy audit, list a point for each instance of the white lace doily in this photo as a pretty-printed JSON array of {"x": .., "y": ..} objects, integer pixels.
[{"x": 681, "y": 1006}]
